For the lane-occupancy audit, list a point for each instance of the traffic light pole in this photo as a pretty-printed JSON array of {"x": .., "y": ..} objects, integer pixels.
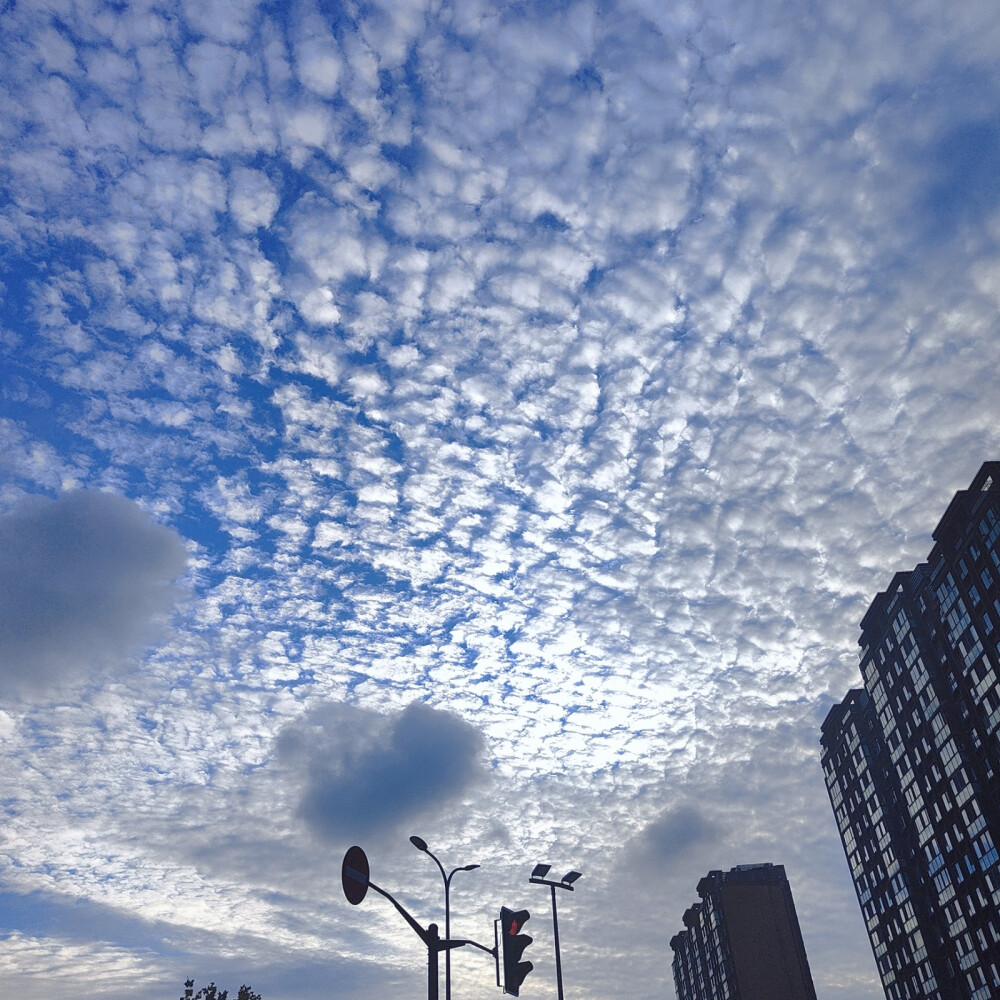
[{"x": 429, "y": 936}]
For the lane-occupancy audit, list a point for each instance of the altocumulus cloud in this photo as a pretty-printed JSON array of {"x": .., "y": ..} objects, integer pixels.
[
  {"x": 83, "y": 581},
  {"x": 366, "y": 773}
]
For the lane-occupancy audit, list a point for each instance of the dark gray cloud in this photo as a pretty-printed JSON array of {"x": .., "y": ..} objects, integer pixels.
[
  {"x": 83, "y": 579},
  {"x": 367, "y": 773},
  {"x": 675, "y": 831}
]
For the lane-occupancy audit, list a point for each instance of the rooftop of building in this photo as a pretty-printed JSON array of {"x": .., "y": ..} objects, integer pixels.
[
  {"x": 839, "y": 714},
  {"x": 964, "y": 503}
]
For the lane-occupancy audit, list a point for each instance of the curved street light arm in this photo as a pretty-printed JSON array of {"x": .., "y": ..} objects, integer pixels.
[{"x": 431, "y": 854}]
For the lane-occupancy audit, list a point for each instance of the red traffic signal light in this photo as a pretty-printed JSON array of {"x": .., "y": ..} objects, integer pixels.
[{"x": 512, "y": 945}]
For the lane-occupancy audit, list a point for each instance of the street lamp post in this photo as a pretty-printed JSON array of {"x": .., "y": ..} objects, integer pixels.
[
  {"x": 355, "y": 879},
  {"x": 566, "y": 882},
  {"x": 421, "y": 845}
]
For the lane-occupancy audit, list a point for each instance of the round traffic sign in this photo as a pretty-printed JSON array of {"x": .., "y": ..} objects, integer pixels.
[{"x": 354, "y": 875}]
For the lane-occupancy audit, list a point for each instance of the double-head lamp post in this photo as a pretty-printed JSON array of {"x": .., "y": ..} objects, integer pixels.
[
  {"x": 566, "y": 882},
  {"x": 421, "y": 845},
  {"x": 355, "y": 879}
]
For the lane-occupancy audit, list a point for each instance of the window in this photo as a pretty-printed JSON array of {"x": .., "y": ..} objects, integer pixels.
[
  {"x": 986, "y": 852},
  {"x": 946, "y": 593}
]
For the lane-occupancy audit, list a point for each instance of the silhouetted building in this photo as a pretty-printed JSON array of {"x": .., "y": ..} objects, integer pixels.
[
  {"x": 742, "y": 941},
  {"x": 912, "y": 762}
]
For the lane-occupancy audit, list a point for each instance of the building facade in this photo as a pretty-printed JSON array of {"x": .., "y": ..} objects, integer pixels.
[
  {"x": 742, "y": 941},
  {"x": 912, "y": 762}
]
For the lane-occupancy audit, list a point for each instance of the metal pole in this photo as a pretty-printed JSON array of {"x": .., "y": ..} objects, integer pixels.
[
  {"x": 447, "y": 935},
  {"x": 421, "y": 845},
  {"x": 356, "y": 881},
  {"x": 555, "y": 934},
  {"x": 432, "y": 961}
]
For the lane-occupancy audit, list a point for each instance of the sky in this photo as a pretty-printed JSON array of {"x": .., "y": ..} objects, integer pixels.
[{"x": 488, "y": 422}]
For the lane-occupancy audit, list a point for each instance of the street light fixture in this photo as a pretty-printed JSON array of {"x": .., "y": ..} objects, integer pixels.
[
  {"x": 355, "y": 879},
  {"x": 421, "y": 845},
  {"x": 538, "y": 874}
]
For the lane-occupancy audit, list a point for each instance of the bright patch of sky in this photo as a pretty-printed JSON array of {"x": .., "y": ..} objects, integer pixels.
[{"x": 514, "y": 406}]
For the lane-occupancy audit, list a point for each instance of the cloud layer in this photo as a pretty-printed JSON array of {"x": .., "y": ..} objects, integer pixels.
[{"x": 540, "y": 391}]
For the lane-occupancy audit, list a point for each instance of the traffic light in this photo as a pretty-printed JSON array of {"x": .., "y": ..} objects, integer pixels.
[{"x": 512, "y": 945}]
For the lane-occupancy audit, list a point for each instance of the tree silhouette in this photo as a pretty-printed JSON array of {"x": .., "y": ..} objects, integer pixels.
[{"x": 212, "y": 992}]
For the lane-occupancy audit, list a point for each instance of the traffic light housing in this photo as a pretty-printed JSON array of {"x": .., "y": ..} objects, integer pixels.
[{"x": 512, "y": 945}]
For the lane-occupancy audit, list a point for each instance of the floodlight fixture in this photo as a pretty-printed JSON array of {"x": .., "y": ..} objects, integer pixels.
[{"x": 538, "y": 874}]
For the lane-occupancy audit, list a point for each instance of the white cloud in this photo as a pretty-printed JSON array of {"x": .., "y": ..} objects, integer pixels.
[
  {"x": 318, "y": 59},
  {"x": 253, "y": 199}
]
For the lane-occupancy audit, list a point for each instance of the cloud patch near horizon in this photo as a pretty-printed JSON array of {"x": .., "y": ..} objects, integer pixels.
[{"x": 84, "y": 580}]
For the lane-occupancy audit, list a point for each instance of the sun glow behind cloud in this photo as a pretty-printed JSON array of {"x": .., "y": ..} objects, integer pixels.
[{"x": 578, "y": 372}]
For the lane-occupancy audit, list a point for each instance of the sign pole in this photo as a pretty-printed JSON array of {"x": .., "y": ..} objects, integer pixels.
[{"x": 432, "y": 962}]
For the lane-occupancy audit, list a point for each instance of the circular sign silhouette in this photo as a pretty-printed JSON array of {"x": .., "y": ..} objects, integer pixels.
[{"x": 354, "y": 875}]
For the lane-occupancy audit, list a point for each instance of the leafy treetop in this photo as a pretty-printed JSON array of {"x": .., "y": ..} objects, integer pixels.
[{"x": 212, "y": 992}]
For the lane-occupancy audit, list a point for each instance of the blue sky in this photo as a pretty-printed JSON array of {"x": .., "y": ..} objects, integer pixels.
[{"x": 486, "y": 422}]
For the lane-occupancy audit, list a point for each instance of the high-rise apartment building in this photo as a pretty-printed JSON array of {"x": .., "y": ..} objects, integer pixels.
[
  {"x": 742, "y": 941},
  {"x": 912, "y": 762}
]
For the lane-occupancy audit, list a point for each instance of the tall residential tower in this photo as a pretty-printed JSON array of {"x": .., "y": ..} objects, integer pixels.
[
  {"x": 742, "y": 941},
  {"x": 912, "y": 762}
]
